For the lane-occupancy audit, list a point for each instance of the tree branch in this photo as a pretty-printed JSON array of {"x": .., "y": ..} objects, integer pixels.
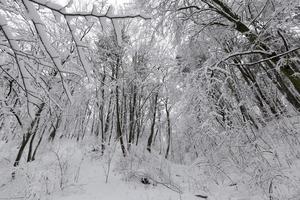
[
  {"x": 61, "y": 10},
  {"x": 272, "y": 57}
]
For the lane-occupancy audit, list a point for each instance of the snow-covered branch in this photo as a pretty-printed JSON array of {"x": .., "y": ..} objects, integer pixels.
[{"x": 93, "y": 13}]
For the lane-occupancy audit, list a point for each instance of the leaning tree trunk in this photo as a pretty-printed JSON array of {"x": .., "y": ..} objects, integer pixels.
[
  {"x": 270, "y": 61},
  {"x": 54, "y": 128},
  {"x": 38, "y": 144},
  {"x": 28, "y": 134}
]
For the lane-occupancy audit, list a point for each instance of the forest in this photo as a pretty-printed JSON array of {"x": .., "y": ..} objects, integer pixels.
[{"x": 150, "y": 99}]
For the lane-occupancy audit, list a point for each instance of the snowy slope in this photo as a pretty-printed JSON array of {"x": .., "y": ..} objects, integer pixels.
[{"x": 73, "y": 171}]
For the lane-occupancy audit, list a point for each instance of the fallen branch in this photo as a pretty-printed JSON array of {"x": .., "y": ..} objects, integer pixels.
[
  {"x": 201, "y": 196},
  {"x": 174, "y": 188}
]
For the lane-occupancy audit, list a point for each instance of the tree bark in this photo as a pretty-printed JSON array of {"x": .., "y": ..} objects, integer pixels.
[
  {"x": 118, "y": 116},
  {"x": 132, "y": 111},
  {"x": 225, "y": 11},
  {"x": 28, "y": 134},
  {"x": 168, "y": 128},
  {"x": 150, "y": 139}
]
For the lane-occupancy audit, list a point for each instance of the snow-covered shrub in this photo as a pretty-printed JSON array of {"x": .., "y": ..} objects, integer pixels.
[
  {"x": 140, "y": 164},
  {"x": 108, "y": 158},
  {"x": 57, "y": 169}
]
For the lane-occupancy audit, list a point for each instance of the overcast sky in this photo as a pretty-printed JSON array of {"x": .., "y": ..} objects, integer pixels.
[{"x": 116, "y": 3}]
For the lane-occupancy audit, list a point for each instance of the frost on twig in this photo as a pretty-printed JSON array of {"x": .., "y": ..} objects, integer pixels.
[{"x": 55, "y": 58}]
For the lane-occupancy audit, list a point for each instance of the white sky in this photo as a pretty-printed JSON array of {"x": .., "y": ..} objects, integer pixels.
[{"x": 116, "y": 3}]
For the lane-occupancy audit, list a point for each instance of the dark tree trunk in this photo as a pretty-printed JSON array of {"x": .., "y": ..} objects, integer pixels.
[
  {"x": 118, "y": 116},
  {"x": 54, "y": 128},
  {"x": 168, "y": 128},
  {"x": 150, "y": 139},
  {"x": 225, "y": 11},
  {"x": 132, "y": 117},
  {"x": 111, "y": 125},
  {"x": 28, "y": 134},
  {"x": 38, "y": 144},
  {"x": 101, "y": 113},
  {"x": 138, "y": 120}
]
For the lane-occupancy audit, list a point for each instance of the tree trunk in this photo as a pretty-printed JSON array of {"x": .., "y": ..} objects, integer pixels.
[
  {"x": 54, "y": 128},
  {"x": 168, "y": 128},
  {"x": 132, "y": 111},
  {"x": 101, "y": 114},
  {"x": 118, "y": 116},
  {"x": 28, "y": 134},
  {"x": 149, "y": 143},
  {"x": 38, "y": 144},
  {"x": 225, "y": 11}
]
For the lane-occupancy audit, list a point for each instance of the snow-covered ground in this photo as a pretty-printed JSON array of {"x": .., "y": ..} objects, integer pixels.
[{"x": 71, "y": 171}]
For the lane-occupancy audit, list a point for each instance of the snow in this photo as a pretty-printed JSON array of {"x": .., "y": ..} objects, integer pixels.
[
  {"x": 69, "y": 4},
  {"x": 89, "y": 169},
  {"x": 79, "y": 47},
  {"x": 118, "y": 31},
  {"x": 83, "y": 177},
  {"x": 94, "y": 187},
  {"x": 45, "y": 41},
  {"x": 116, "y": 25},
  {"x": 26, "y": 77},
  {"x": 57, "y": 16},
  {"x": 228, "y": 159},
  {"x": 51, "y": 4}
]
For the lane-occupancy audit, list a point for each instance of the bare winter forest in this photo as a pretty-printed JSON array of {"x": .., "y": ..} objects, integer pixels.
[{"x": 150, "y": 99}]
